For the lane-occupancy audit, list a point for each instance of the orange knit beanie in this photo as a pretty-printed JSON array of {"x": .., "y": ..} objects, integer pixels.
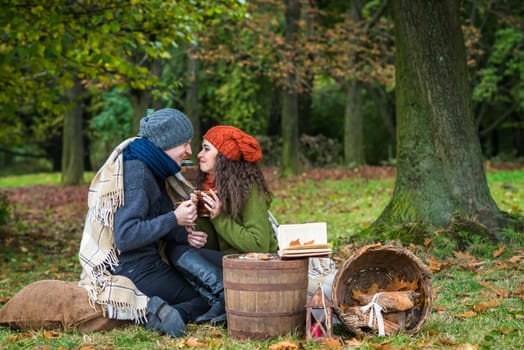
[{"x": 234, "y": 144}]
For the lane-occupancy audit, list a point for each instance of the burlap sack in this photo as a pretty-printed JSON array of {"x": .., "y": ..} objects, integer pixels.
[{"x": 53, "y": 304}]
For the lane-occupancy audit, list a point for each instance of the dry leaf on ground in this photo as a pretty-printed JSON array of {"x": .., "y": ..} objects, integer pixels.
[{"x": 284, "y": 345}]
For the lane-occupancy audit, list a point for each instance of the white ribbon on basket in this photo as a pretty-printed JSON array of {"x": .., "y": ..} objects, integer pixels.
[{"x": 375, "y": 313}]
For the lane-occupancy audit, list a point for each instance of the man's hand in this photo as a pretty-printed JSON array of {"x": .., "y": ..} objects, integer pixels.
[{"x": 186, "y": 213}]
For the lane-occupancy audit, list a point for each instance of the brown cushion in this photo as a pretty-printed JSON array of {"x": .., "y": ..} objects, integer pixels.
[{"x": 52, "y": 304}]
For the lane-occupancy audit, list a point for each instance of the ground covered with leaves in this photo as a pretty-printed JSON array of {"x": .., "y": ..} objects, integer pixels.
[{"x": 478, "y": 292}]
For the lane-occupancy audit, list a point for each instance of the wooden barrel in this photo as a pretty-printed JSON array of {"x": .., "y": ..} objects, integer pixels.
[{"x": 264, "y": 298}]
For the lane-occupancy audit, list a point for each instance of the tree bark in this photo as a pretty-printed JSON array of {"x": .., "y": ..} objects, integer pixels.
[
  {"x": 142, "y": 100},
  {"x": 353, "y": 121},
  {"x": 353, "y": 126},
  {"x": 289, "y": 127},
  {"x": 289, "y": 122},
  {"x": 192, "y": 110},
  {"x": 72, "y": 140},
  {"x": 440, "y": 174}
]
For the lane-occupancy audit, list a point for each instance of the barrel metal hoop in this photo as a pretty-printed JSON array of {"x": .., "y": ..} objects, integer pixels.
[
  {"x": 260, "y": 315},
  {"x": 265, "y": 287}
]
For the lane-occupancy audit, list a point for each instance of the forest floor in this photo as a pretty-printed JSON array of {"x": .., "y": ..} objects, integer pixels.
[{"x": 480, "y": 289}]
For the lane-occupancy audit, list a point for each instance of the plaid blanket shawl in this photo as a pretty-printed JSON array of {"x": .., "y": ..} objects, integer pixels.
[{"x": 118, "y": 294}]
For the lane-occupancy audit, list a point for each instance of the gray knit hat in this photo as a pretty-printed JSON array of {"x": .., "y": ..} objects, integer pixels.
[{"x": 166, "y": 128}]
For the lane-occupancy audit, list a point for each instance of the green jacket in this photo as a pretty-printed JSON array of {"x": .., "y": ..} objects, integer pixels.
[{"x": 251, "y": 233}]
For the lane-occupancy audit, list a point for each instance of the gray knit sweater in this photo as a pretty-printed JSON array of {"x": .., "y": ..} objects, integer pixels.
[{"x": 146, "y": 215}]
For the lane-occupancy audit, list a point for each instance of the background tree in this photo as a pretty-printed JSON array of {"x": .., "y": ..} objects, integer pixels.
[
  {"x": 104, "y": 44},
  {"x": 290, "y": 117},
  {"x": 192, "y": 100},
  {"x": 440, "y": 175},
  {"x": 73, "y": 143}
]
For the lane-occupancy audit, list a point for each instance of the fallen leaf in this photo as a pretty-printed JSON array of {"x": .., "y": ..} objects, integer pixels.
[
  {"x": 284, "y": 345},
  {"x": 353, "y": 342},
  {"x": 465, "y": 256},
  {"x": 472, "y": 266},
  {"x": 499, "y": 265},
  {"x": 499, "y": 251},
  {"x": 435, "y": 265},
  {"x": 51, "y": 334},
  {"x": 500, "y": 292},
  {"x": 467, "y": 314},
  {"x": 194, "y": 342},
  {"x": 332, "y": 343},
  {"x": 439, "y": 308},
  {"x": 485, "y": 305},
  {"x": 397, "y": 284}
]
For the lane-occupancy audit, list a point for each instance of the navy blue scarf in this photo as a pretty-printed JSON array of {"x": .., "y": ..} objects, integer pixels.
[{"x": 156, "y": 159}]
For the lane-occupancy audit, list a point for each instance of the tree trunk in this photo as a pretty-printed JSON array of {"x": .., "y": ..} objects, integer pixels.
[
  {"x": 305, "y": 98},
  {"x": 289, "y": 122},
  {"x": 353, "y": 126},
  {"x": 72, "y": 141},
  {"x": 289, "y": 127},
  {"x": 191, "y": 108},
  {"x": 142, "y": 100},
  {"x": 440, "y": 173}
]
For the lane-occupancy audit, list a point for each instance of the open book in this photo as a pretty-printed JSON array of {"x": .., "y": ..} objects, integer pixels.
[{"x": 303, "y": 240}]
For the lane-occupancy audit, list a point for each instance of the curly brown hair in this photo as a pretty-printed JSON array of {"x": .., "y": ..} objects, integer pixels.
[{"x": 234, "y": 181}]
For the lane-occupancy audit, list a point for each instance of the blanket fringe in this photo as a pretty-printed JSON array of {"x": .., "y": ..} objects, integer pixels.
[{"x": 105, "y": 207}]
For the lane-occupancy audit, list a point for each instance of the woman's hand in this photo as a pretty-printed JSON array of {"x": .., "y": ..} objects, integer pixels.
[
  {"x": 186, "y": 213},
  {"x": 212, "y": 203},
  {"x": 196, "y": 239}
]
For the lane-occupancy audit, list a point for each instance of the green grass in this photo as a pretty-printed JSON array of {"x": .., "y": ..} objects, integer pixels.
[
  {"x": 463, "y": 284},
  {"x": 35, "y": 179}
]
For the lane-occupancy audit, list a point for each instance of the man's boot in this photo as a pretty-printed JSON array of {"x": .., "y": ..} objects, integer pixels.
[
  {"x": 206, "y": 278},
  {"x": 164, "y": 318}
]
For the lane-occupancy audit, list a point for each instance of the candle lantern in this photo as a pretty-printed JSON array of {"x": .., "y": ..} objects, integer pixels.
[{"x": 319, "y": 316}]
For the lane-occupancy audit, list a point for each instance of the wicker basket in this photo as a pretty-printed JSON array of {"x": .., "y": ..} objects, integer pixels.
[{"x": 375, "y": 267}]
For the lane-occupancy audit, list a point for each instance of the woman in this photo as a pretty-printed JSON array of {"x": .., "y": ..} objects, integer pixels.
[
  {"x": 239, "y": 198},
  {"x": 131, "y": 211}
]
